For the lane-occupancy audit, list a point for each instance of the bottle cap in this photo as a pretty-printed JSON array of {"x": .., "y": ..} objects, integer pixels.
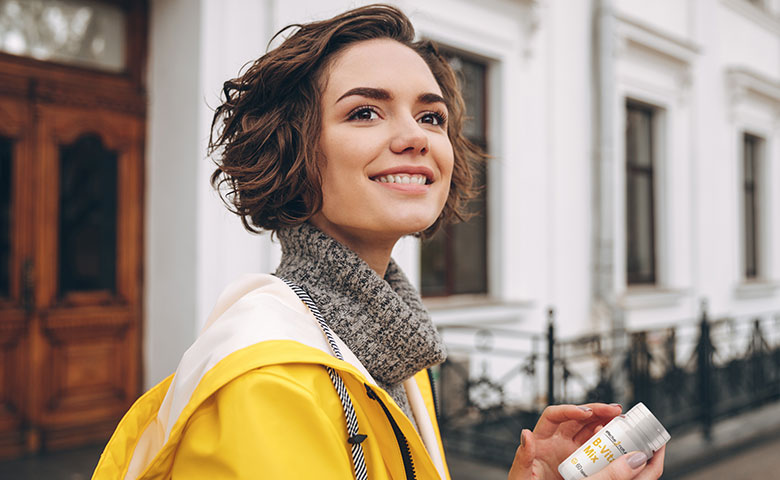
[{"x": 645, "y": 423}]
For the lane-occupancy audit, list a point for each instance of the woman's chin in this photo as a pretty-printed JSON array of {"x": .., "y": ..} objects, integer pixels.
[{"x": 412, "y": 226}]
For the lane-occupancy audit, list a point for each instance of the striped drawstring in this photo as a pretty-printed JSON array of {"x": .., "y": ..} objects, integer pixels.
[{"x": 354, "y": 438}]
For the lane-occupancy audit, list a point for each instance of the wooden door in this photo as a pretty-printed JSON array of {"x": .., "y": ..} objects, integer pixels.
[
  {"x": 16, "y": 300},
  {"x": 71, "y": 203},
  {"x": 88, "y": 258},
  {"x": 69, "y": 328}
]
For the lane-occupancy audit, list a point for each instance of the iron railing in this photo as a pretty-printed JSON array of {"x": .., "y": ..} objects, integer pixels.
[{"x": 690, "y": 374}]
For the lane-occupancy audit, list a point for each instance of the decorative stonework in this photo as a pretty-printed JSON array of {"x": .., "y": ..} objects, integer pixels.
[
  {"x": 744, "y": 83},
  {"x": 530, "y": 24},
  {"x": 678, "y": 53},
  {"x": 631, "y": 30},
  {"x": 761, "y": 16}
]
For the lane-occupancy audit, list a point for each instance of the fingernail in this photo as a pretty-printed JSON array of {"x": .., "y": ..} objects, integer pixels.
[
  {"x": 585, "y": 409},
  {"x": 636, "y": 460},
  {"x": 616, "y": 405},
  {"x": 522, "y": 438}
]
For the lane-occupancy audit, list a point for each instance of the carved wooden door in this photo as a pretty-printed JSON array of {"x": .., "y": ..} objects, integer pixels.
[
  {"x": 16, "y": 302},
  {"x": 70, "y": 272}
]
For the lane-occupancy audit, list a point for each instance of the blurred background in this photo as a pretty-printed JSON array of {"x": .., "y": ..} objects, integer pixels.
[{"x": 625, "y": 247}]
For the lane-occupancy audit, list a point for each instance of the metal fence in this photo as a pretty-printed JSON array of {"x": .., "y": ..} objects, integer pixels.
[{"x": 691, "y": 375}]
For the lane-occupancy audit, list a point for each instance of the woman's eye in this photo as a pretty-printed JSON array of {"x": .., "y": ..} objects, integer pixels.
[
  {"x": 433, "y": 118},
  {"x": 363, "y": 114}
]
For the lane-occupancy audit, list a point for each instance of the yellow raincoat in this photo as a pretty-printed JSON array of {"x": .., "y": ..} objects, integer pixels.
[{"x": 251, "y": 399}]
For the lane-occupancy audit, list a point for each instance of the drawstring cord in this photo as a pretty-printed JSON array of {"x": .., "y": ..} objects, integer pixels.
[{"x": 354, "y": 438}]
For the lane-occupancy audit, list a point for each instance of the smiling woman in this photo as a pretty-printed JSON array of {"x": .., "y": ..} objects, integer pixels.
[{"x": 342, "y": 140}]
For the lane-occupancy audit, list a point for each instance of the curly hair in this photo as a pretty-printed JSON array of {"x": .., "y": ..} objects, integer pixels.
[{"x": 265, "y": 134}]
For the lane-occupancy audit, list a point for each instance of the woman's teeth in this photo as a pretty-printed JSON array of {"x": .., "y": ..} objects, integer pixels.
[{"x": 403, "y": 178}]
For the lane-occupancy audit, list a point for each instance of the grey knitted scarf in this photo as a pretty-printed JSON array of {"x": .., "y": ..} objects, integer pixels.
[{"x": 383, "y": 321}]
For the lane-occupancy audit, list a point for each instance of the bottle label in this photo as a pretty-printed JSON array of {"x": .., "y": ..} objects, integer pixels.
[{"x": 600, "y": 450}]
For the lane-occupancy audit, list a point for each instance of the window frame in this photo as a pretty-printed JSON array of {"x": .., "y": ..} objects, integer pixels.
[
  {"x": 754, "y": 189},
  {"x": 636, "y": 278}
]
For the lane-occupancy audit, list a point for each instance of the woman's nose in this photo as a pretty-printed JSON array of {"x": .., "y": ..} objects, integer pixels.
[{"x": 409, "y": 137}]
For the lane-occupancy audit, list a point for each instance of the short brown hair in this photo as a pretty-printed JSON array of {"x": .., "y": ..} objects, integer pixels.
[{"x": 266, "y": 132}]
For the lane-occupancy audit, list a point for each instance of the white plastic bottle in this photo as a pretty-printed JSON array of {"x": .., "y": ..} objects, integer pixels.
[{"x": 637, "y": 430}]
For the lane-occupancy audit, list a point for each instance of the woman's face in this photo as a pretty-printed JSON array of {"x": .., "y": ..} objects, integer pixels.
[{"x": 386, "y": 156}]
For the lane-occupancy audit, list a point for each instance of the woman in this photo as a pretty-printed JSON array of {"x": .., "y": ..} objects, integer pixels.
[{"x": 342, "y": 140}]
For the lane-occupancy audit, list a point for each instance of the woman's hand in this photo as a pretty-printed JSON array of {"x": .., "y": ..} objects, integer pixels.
[{"x": 561, "y": 430}]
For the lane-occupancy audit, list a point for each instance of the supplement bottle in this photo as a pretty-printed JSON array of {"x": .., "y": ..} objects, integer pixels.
[{"x": 637, "y": 430}]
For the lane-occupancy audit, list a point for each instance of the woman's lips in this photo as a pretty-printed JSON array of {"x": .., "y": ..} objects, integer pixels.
[
  {"x": 405, "y": 174},
  {"x": 404, "y": 182},
  {"x": 403, "y": 179}
]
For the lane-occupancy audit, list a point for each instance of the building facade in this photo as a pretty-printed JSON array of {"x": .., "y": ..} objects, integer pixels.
[{"x": 634, "y": 170}]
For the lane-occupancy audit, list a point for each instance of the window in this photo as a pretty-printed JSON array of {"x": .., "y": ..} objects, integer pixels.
[
  {"x": 454, "y": 261},
  {"x": 88, "y": 211},
  {"x": 751, "y": 190},
  {"x": 640, "y": 198},
  {"x": 78, "y": 32}
]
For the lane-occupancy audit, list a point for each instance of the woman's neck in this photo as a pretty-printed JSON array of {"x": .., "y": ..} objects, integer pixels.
[{"x": 373, "y": 250}]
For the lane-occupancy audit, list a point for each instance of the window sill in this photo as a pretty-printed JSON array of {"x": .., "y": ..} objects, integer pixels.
[
  {"x": 638, "y": 298},
  {"x": 756, "y": 289},
  {"x": 475, "y": 310}
]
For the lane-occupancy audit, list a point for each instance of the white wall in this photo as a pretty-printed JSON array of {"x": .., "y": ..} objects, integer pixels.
[
  {"x": 233, "y": 33},
  {"x": 171, "y": 262},
  {"x": 194, "y": 245},
  {"x": 569, "y": 160}
]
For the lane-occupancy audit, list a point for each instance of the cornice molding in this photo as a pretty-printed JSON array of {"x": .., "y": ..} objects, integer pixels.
[
  {"x": 54, "y": 90},
  {"x": 633, "y": 30},
  {"x": 761, "y": 17},
  {"x": 743, "y": 81}
]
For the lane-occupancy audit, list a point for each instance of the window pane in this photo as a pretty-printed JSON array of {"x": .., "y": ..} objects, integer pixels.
[
  {"x": 750, "y": 158},
  {"x": 750, "y": 237},
  {"x": 641, "y": 268},
  {"x": 750, "y": 203},
  {"x": 471, "y": 76},
  {"x": 640, "y": 212},
  {"x": 80, "y": 32},
  {"x": 470, "y": 248},
  {"x": 639, "y": 150},
  {"x": 433, "y": 269},
  {"x": 88, "y": 203},
  {"x": 6, "y": 148}
]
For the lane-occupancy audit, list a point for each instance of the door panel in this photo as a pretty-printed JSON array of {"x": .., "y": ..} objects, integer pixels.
[
  {"x": 90, "y": 258},
  {"x": 16, "y": 273},
  {"x": 86, "y": 377},
  {"x": 6, "y": 170}
]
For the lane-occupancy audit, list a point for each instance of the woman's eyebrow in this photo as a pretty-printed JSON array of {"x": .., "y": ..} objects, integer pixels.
[
  {"x": 368, "y": 92},
  {"x": 382, "y": 94},
  {"x": 432, "y": 98}
]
